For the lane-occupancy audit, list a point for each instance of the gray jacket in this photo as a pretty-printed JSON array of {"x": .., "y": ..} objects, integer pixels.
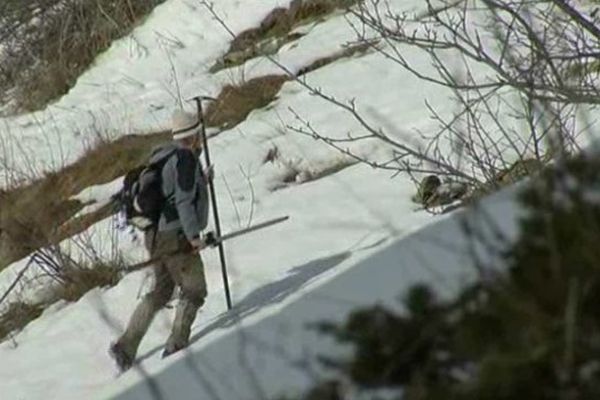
[{"x": 185, "y": 189}]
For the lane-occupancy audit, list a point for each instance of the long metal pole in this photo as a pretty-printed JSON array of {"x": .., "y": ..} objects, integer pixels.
[
  {"x": 217, "y": 240},
  {"x": 213, "y": 199}
]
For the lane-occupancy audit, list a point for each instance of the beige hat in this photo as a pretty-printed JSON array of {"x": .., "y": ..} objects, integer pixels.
[{"x": 184, "y": 124}]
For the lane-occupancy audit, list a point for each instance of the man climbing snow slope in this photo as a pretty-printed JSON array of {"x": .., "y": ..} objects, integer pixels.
[{"x": 175, "y": 242}]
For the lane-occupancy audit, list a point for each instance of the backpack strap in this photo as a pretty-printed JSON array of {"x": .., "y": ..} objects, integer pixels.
[
  {"x": 168, "y": 208},
  {"x": 186, "y": 161},
  {"x": 153, "y": 242},
  {"x": 163, "y": 160}
]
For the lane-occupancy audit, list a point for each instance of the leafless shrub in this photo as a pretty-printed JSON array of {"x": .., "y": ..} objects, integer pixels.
[
  {"x": 75, "y": 276},
  {"x": 64, "y": 276},
  {"x": 336, "y": 165},
  {"x": 517, "y": 86},
  {"x": 517, "y": 89}
]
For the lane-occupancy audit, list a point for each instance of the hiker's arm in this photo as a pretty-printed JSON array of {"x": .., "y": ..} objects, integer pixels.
[{"x": 186, "y": 187}]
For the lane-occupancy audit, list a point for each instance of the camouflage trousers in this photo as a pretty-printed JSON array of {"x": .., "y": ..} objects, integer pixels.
[{"x": 185, "y": 270}]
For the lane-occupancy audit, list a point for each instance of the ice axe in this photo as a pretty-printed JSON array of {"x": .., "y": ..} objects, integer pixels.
[
  {"x": 211, "y": 240},
  {"x": 213, "y": 197}
]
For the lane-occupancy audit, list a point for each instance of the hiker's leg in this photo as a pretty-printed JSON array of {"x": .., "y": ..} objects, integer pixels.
[
  {"x": 154, "y": 300},
  {"x": 187, "y": 271},
  {"x": 146, "y": 310}
]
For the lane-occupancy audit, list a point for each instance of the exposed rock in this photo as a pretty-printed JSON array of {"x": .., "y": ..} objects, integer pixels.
[
  {"x": 272, "y": 155},
  {"x": 432, "y": 192},
  {"x": 427, "y": 188},
  {"x": 446, "y": 193}
]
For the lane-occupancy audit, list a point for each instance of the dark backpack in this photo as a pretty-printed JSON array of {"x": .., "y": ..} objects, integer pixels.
[{"x": 141, "y": 198}]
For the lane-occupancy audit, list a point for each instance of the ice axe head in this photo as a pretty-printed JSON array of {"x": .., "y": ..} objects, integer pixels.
[
  {"x": 201, "y": 98},
  {"x": 198, "y": 100}
]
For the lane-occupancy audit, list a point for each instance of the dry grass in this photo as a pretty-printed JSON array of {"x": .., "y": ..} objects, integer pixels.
[
  {"x": 110, "y": 160},
  {"x": 275, "y": 30},
  {"x": 70, "y": 281},
  {"x": 17, "y": 316},
  {"x": 235, "y": 102},
  {"x": 49, "y": 43},
  {"x": 80, "y": 280},
  {"x": 349, "y": 51}
]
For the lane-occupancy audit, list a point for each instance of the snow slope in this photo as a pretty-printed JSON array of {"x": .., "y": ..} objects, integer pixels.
[
  {"x": 132, "y": 87},
  {"x": 344, "y": 228},
  {"x": 262, "y": 357}
]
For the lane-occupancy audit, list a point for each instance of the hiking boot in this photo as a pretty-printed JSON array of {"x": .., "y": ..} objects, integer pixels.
[
  {"x": 173, "y": 347},
  {"x": 123, "y": 359}
]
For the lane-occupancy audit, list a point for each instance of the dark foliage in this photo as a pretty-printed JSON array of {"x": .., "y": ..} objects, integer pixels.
[{"x": 533, "y": 332}]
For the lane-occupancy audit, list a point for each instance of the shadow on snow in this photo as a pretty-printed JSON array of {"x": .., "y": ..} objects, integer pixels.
[{"x": 267, "y": 295}]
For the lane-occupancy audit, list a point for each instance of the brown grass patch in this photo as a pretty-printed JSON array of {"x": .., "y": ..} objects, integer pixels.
[
  {"x": 80, "y": 280},
  {"x": 77, "y": 225},
  {"x": 274, "y": 30},
  {"x": 349, "y": 51},
  {"x": 109, "y": 160},
  {"x": 235, "y": 102}
]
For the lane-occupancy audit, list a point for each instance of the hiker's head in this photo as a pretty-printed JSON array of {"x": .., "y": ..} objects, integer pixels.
[{"x": 185, "y": 128}]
